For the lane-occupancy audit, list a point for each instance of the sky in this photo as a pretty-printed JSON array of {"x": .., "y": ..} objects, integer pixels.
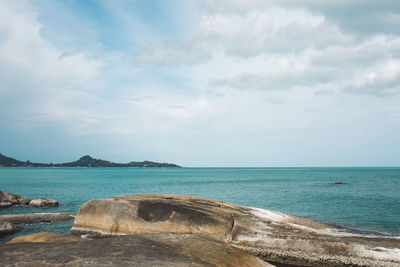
[{"x": 218, "y": 83}]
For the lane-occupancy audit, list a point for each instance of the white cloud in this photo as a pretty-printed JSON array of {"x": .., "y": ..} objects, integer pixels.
[
  {"x": 38, "y": 78},
  {"x": 262, "y": 81}
]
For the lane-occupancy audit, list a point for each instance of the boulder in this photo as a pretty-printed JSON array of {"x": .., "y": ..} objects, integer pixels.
[
  {"x": 7, "y": 228},
  {"x": 44, "y": 237},
  {"x": 272, "y": 236},
  {"x": 4, "y": 202},
  {"x": 43, "y": 203},
  {"x": 23, "y": 200},
  {"x": 12, "y": 198},
  {"x": 7, "y": 199},
  {"x": 164, "y": 249},
  {"x": 35, "y": 218}
]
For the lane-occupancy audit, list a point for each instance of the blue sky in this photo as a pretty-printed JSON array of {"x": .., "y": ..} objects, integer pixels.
[{"x": 202, "y": 83}]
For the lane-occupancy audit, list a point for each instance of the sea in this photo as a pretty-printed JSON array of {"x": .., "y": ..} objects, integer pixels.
[{"x": 367, "y": 203}]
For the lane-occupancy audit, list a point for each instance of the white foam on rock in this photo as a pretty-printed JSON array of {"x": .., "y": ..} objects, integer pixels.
[
  {"x": 269, "y": 215},
  {"x": 379, "y": 253}
]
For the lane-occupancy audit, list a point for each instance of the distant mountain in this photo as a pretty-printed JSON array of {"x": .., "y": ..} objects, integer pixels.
[{"x": 85, "y": 161}]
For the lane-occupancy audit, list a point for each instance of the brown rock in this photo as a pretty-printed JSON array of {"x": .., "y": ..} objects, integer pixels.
[
  {"x": 4, "y": 202},
  {"x": 43, "y": 203},
  {"x": 17, "y": 199},
  {"x": 273, "y": 236},
  {"x": 12, "y": 198},
  {"x": 164, "y": 249},
  {"x": 23, "y": 200},
  {"x": 46, "y": 238}
]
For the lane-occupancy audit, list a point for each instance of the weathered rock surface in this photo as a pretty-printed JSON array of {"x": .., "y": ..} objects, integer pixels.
[
  {"x": 35, "y": 218},
  {"x": 44, "y": 237},
  {"x": 4, "y": 202},
  {"x": 12, "y": 198},
  {"x": 17, "y": 199},
  {"x": 164, "y": 249},
  {"x": 270, "y": 235},
  {"x": 43, "y": 202},
  {"x": 7, "y": 228}
]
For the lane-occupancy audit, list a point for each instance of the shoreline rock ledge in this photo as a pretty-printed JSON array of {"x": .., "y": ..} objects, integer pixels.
[
  {"x": 162, "y": 249},
  {"x": 269, "y": 235}
]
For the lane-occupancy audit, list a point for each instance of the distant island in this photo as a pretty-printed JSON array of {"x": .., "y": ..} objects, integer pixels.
[{"x": 85, "y": 161}]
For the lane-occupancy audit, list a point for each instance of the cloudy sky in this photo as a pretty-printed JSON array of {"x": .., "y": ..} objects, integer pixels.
[{"x": 202, "y": 83}]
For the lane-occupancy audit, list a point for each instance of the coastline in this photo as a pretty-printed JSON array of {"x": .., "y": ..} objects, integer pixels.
[{"x": 272, "y": 236}]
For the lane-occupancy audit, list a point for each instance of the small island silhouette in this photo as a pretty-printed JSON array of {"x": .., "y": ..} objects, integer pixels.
[{"x": 85, "y": 161}]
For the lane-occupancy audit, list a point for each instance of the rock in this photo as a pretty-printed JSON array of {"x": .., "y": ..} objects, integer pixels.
[
  {"x": 7, "y": 228},
  {"x": 12, "y": 198},
  {"x": 270, "y": 235},
  {"x": 4, "y": 202},
  {"x": 338, "y": 183},
  {"x": 43, "y": 202},
  {"x": 7, "y": 199},
  {"x": 35, "y": 218},
  {"x": 23, "y": 200},
  {"x": 164, "y": 249},
  {"x": 46, "y": 238},
  {"x": 17, "y": 199}
]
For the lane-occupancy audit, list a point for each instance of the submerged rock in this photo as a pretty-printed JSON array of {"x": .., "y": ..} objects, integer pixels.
[
  {"x": 270, "y": 235},
  {"x": 164, "y": 249},
  {"x": 43, "y": 203}
]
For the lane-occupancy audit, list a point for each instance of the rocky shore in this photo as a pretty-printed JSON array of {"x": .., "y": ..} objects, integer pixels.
[
  {"x": 10, "y": 224},
  {"x": 148, "y": 230},
  {"x": 8, "y": 199}
]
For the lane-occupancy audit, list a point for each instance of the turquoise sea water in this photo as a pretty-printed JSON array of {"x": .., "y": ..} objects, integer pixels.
[{"x": 369, "y": 201}]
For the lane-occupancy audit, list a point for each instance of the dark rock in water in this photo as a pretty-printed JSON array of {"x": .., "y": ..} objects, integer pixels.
[
  {"x": 12, "y": 198},
  {"x": 17, "y": 199},
  {"x": 7, "y": 199},
  {"x": 4, "y": 202},
  {"x": 338, "y": 183},
  {"x": 43, "y": 203},
  {"x": 44, "y": 237},
  {"x": 272, "y": 236},
  {"x": 7, "y": 228},
  {"x": 35, "y": 218},
  {"x": 164, "y": 249},
  {"x": 23, "y": 200}
]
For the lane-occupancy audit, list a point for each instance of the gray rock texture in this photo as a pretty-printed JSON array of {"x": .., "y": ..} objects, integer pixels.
[
  {"x": 164, "y": 249},
  {"x": 270, "y": 235},
  {"x": 7, "y": 228},
  {"x": 35, "y": 218},
  {"x": 43, "y": 203},
  {"x": 44, "y": 237}
]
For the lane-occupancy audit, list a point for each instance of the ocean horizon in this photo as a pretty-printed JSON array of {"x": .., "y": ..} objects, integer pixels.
[{"x": 366, "y": 203}]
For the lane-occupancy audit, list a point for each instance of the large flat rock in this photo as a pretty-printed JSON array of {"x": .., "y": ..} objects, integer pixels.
[
  {"x": 164, "y": 249},
  {"x": 44, "y": 237},
  {"x": 270, "y": 235},
  {"x": 35, "y": 218}
]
